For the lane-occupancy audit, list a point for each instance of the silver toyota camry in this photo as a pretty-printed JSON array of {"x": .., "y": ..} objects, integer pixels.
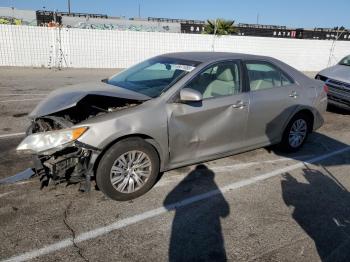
[
  {"x": 337, "y": 78},
  {"x": 170, "y": 111}
]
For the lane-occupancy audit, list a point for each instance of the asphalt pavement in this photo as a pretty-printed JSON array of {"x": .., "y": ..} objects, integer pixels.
[{"x": 261, "y": 205}]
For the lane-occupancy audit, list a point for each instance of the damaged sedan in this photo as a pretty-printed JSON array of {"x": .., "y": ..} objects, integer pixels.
[{"x": 170, "y": 111}]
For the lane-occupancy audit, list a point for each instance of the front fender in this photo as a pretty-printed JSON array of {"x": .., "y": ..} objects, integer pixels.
[{"x": 151, "y": 126}]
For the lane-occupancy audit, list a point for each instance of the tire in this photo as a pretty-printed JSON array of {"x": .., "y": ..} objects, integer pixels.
[
  {"x": 287, "y": 144},
  {"x": 124, "y": 157}
]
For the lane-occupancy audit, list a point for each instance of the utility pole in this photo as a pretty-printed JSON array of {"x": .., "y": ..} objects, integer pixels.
[
  {"x": 257, "y": 19},
  {"x": 139, "y": 10},
  {"x": 214, "y": 36},
  {"x": 68, "y": 6}
]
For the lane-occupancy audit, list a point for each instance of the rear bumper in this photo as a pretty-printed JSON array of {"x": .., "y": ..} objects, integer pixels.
[{"x": 318, "y": 120}]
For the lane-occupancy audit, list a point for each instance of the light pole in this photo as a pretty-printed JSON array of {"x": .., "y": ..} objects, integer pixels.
[{"x": 68, "y": 6}]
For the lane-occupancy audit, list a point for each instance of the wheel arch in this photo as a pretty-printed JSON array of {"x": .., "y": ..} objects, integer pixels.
[
  {"x": 307, "y": 112},
  {"x": 146, "y": 138}
]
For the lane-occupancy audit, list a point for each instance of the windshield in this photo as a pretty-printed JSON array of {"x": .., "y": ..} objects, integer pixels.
[
  {"x": 153, "y": 76},
  {"x": 345, "y": 61}
]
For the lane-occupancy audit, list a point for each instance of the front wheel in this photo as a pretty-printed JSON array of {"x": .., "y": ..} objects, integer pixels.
[
  {"x": 128, "y": 169},
  {"x": 296, "y": 133}
]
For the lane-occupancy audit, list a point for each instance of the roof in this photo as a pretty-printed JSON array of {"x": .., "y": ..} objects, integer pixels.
[{"x": 210, "y": 56}]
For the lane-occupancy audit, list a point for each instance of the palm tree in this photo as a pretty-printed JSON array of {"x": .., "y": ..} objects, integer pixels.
[{"x": 220, "y": 27}]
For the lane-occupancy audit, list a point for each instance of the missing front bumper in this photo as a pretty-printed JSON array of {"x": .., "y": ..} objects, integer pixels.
[{"x": 71, "y": 165}]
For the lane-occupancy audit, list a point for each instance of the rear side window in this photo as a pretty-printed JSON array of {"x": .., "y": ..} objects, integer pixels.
[{"x": 263, "y": 75}]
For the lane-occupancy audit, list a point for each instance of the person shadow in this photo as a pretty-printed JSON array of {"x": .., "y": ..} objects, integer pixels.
[
  {"x": 196, "y": 233},
  {"x": 322, "y": 209}
]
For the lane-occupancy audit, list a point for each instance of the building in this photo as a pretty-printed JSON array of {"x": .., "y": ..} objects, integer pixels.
[
  {"x": 156, "y": 24},
  {"x": 277, "y": 31}
]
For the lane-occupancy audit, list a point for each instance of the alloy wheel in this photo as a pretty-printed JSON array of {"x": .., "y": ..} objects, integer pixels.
[
  {"x": 297, "y": 133},
  {"x": 130, "y": 171}
]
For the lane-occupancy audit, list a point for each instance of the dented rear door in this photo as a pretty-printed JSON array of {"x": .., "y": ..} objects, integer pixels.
[{"x": 204, "y": 129}]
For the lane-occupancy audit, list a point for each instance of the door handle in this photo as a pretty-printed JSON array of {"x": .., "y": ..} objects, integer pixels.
[
  {"x": 294, "y": 94},
  {"x": 239, "y": 105}
]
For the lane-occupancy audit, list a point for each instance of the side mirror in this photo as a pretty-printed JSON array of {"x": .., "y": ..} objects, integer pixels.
[{"x": 190, "y": 95}]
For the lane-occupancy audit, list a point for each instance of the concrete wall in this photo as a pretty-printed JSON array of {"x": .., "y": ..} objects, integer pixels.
[{"x": 52, "y": 47}]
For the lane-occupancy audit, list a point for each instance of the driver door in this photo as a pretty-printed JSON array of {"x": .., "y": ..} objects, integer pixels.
[{"x": 217, "y": 124}]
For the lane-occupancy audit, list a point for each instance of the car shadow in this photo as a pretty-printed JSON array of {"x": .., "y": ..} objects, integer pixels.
[
  {"x": 315, "y": 145},
  {"x": 196, "y": 233},
  {"x": 321, "y": 203},
  {"x": 322, "y": 209}
]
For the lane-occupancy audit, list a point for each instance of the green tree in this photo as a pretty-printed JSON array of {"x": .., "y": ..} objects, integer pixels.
[{"x": 220, "y": 27}]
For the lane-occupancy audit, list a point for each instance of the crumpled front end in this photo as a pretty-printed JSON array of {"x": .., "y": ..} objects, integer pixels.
[
  {"x": 53, "y": 140},
  {"x": 71, "y": 165},
  {"x": 57, "y": 154}
]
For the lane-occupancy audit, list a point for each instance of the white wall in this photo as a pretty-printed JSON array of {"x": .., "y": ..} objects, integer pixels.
[{"x": 51, "y": 47}]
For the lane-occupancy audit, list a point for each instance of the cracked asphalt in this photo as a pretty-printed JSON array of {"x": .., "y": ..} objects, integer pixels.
[{"x": 261, "y": 205}]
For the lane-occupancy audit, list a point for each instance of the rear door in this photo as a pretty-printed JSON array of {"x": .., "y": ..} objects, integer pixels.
[
  {"x": 215, "y": 125},
  {"x": 274, "y": 96}
]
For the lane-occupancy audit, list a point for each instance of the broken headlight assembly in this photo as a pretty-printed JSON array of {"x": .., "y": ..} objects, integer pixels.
[
  {"x": 46, "y": 143},
  {"x": 59, "y": 157}
]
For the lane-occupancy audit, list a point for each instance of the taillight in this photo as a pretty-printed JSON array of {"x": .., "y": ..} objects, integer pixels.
[{"x": 326, "y": 88}]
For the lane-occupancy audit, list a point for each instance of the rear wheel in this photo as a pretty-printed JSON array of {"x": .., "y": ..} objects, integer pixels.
[
  {"x": 128, "y": 169},
  {"x": 296, "y": 133}
]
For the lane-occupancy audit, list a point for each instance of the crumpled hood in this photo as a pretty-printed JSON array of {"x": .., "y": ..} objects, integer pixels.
[
  {"x": 68, "y": 97},
  {"x": 337, "y": 72}
]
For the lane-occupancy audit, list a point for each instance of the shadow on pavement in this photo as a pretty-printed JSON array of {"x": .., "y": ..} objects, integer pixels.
[
  {"x": 322, "y": 210},
  {"x": 317, "y": 144},
  {"x": 196, "y": 233}
]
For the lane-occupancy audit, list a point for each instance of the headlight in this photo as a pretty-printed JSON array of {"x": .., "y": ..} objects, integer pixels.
[{"x": 40, "y": 143}]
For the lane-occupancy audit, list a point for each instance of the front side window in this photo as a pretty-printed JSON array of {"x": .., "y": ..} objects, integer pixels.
[
  {"x": 263, "y": 75},
  {"x": 222, "y": 79},
  {"x": 153, "y": 76}
]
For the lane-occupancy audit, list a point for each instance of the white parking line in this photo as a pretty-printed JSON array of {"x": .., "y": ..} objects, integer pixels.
[
  {"x": 12, "y": 135},
  {"x": 5, "y": 194},
  {"x": 249, "y": 164},
  {"x": 20, "y": 100},
  {"x": 162, "y": 210},
  {"x": 223, "y": 169}
]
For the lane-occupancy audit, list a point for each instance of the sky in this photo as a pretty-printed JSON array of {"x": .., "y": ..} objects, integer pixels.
[{"x": 295, "y": 13}]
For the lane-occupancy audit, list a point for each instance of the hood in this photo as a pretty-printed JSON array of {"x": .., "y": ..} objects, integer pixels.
[
  {"x": 68, "y": 97},
  {"x": 337, "y": 72}
]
